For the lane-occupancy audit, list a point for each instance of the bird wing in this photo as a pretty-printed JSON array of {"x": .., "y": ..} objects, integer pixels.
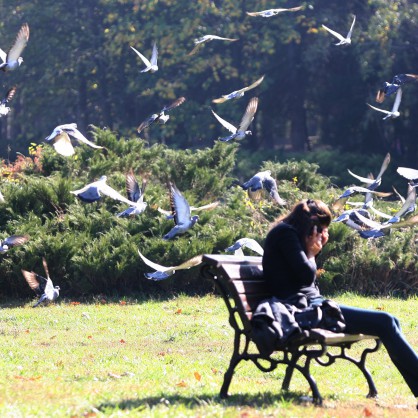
[
  {"x": 351, "y": 28},
  {"x": 249, "y": 114},
  {"x": 379, "y": 110},
  {"x": 155, "y": 266},
  {"x": 133, "y": 190},
  {"x": 384, "y": 167},
  {"x": 145, "y": 60},
  {"x": 179, "y": 206},
  {"x": 336, "y": 34},
  {"x": 46, "y": 268},
  {"x": 253, "y": 245},
  {"x": 209, "y": 206},
  {"x": 406, "y": 222},
  {"x": 146, "y": 123},
  {"x": 408, "y": 173},
  {"x": 362, "y": 179},
  {"x": 220, "y": 38},
  {"x": 14, "y": 240},
  {"x": 251, "y": 86},
  {"x": 271, "y": 186},
  {"x": 3, "y": 56},
  {"x": 75, "y": 133},
  {"x": 409, "y": 201},
  {"x": 62, "y": 144},
  {"x": 231, "y": 128},
  {"x": 368, "y": 222},
  {"x": 154, "y": 56},
  {"x": 112, "y": 193},
  {"x": 9, "y": 95},
  {"x": 35, "y": 281},
  {"x": 19, "y": 44},
  {"x": 176, "y": 103},
  {"x": 397, "y": 101}
]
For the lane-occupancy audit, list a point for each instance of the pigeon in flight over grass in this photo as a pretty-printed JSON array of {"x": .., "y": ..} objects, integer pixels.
[
  {"x": 242, "y": 131},
  {"x": 12, "y": 241},
  {"x": 394, "y": 113},
  {"x": 258, "y": 182},
  {"x": 12, "y": 59},
  {"x": 273, "y": 12},
  {"x": 94, "y": 191},
  {"x": 343, "y": 41},
  {"x": 61, "y": 141},
  {"x": 152, "y": 64},
  {"x": 249, "y": 243},
  {"x": 160, "y": 117},
  {"x": 238, "y": 93},
  {"x": 209, "y": 206},
  {"x": 350, "y": 218},
  {"x": 43, "y": 287},
  {"x": 390, "y": 88},
  {"x": 207, "y": 38},
  {"x": 135, "y": 194},
  {"x": 180, "y": 211},
  {"x": 162, "y": 273},
  {"x": 4, "y": 110}
]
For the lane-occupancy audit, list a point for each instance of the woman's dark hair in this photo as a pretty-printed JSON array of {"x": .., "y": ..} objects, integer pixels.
[{"x": 306, "y": 214}]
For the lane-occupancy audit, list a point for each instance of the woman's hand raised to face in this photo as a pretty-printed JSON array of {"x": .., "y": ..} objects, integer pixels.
[{"x": 316, "y": 241}]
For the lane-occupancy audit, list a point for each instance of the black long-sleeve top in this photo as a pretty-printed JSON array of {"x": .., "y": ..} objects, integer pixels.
[{"x": 286, "y": 267}]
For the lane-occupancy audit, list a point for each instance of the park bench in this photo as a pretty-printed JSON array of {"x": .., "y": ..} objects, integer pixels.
[{"x": 240, "y": 282}]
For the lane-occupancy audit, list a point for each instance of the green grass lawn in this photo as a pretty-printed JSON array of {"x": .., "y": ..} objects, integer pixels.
[{"x": 159, "y": 358}]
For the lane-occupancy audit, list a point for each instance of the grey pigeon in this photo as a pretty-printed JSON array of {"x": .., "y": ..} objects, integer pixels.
[
  {"x": 12, "y": 241},
  {"x": 43, "y": 287},
  {"x": 12, "y": 59},
  {"x": 250, "y": 243},
  {"x": 135, "y": 194},
  {"x": 150, "y": 65},
  {"x": 160, "y": 117},
  {"x": 343, "y": 40},
  {"x": 263, "y": 180},
  {"x": 162, "y": 273},
  {"x": 4, "y": 110},
  {"x": 93, "y": 192},
  {"x": 394, "y": 113},
  {"x": 242, "y": 131},
  {"x": 390, "y": 88},
  {"x": 60, "y": 139},
  {"x": 238, "y": 93},
  {"x": 180, "y": 210},
  {"x": 274, "y": 12},
  {"x": 209, "y": 206}
]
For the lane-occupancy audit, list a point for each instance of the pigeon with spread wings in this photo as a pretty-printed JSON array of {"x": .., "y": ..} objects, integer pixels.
[
  {"x": 150, "y": 65},
  {"x": 4, "y": 110},
  {"x": 258, "y": 182},
  {"x": 207, "y": 38},
  {"x": 274, "y": 12},
  {"x": 389, "y": 88},
  {"x": 12, "y": 59},
  {"x": 242, "y": 131},
  {"x": 249, "y": 243},
  {"x": 162, "y": 273},
  {"x": 160, "y": 117},
  {"x": 238, "y": 93},
  {"x": 135, "y": 194},
  {"x": 394, "y": 113},
  {"x": 343, "y": 40},
  {"x": 12, "y": 241},
  {"x": 61, "y": 141},
  {"x": 43, "y": 287}
]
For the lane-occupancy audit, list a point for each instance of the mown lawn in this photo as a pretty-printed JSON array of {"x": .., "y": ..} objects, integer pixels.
[{"x": 166, "y": 358}]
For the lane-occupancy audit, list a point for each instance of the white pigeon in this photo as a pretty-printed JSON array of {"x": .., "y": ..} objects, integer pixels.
[
  {"x": 151, "y": 65},
  {"x": 135, "y": 194},
  {"x": 408, "y": 173},
  {"x": 12, "y": 59},
  {"x": 12, "y": 241},
  {"x": 207, "y": 38},
  {"x": 61, "y": 141},
  {"x": 43, "y": 287},
  {"x": 4, "y": 110},
  {"x": 394, "y": 113},
  {"x": 273, "y": 12},
  {"x": 242, "y": 131},
  {"x": 162, "y": 273},
  {"x": 343, "y": 41},
  {"x": 263, "y": 180},
  {"x": 238, "y": 93},
  {"x": 93, "y": 192},
  {"x": 180, "y": 211},
  {"x": 250, "y": 243}
]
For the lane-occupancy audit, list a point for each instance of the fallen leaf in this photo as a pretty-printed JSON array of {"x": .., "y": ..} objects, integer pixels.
[
  {"x": 89, "y": 337},
  {"x": 122, "y": 302},
  {"x": 214, "y": 371},
  {"x": 367, "y": 412},
  {"x": 113, "y": 375},
  {"x": 178, "y": 311},
  {"x": 181, "y": 384},
  {"x": 161, "y": 354},
  {"x": 122, "y": 341},
  {"x": 197, "y": 376},
  {"x": 74, "y": 303}
]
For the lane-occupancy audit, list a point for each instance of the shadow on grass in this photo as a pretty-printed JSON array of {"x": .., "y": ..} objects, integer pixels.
[{"x": 256, "y": 400}]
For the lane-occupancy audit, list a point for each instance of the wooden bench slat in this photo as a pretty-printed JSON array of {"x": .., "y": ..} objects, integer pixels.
[
  {"x": 242, "y": 272},
  {"x": 250, "y": 286}
]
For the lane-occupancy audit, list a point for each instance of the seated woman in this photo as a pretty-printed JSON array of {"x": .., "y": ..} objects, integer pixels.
[{"x": 289, "y": 268}]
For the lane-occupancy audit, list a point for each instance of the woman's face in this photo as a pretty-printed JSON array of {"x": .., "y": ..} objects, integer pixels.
[{"x": 324, "y": 235}]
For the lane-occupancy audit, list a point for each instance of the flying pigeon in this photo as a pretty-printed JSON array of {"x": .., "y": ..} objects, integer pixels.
[
  {"x": 43, "y": 287},
  {"x": 160, "y": 117},
  {"x": 410, "y": 174},
  {"x": 60, "y": 138},
  {"x": 12, "y": 241},
  {"x": 162, "y": 272},
  {"x": 209, "y": 206},
  {"x": 394, "y": 113},
  {"x": 4, "y": 110},
  {"x": 390, "y": 88},
  {"x": 207, "y": 38},
  {"x": 180, "y": 210},
  {"x": 93, "y": 192},
  {"x": 12, "y": 59},
  {"x": 350, "y": 218},
  {"x": 263, "y": 180},
  {"x": 273, "y": 12},
  {"x": 150, "y": 65},
  {"x": 247, "y": 118},
  {"x": 238, "y": 93},
  {"x": 135, "y": 194},
  {"x": 250, "y": 243},
  {"x": 343, "y": 41}
]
